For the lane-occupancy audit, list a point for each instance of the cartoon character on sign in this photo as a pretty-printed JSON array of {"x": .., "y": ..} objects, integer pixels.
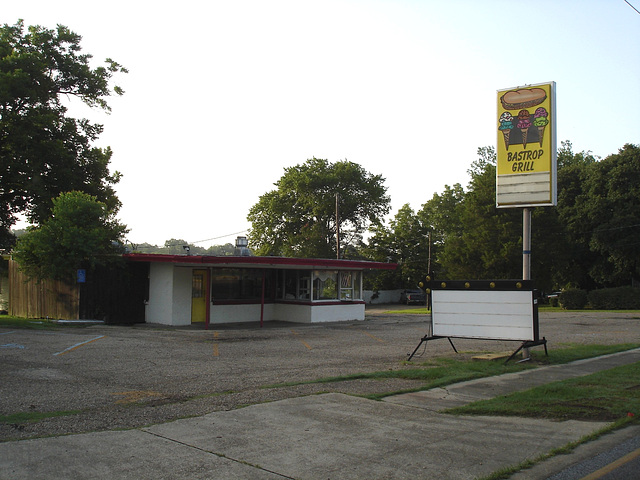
[{"x": 521, "y": 101}]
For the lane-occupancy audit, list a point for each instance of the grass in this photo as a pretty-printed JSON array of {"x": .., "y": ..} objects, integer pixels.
[
  {"x": 30, "y": 323},
  {"x": 33, "y": 417},
  {"x": 35, "y": 323},
  {"x": 444, "y": 371},
  {"x": 431, "y": 374},
  {"x": 541, "y": 308},
  {"x": 505, "y": 473},
  {"x": 570, "y": 352},
  {"x": 604, "y": 396}
]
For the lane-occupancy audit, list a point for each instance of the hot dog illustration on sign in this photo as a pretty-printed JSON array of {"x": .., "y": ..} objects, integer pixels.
[{"x": 518, "y": 127}]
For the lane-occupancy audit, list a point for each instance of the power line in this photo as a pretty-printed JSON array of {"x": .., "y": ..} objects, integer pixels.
[
  {"x": 222, "y": 236},
  {"x": 197, "y": 241},
  {"x": 638, "y": 11}
]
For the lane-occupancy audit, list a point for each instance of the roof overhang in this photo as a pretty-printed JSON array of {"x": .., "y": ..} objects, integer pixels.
[{"x": 260, "y": 262}]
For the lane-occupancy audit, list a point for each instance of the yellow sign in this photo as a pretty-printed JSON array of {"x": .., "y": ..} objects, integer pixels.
[{"x": 526, "y": 149}]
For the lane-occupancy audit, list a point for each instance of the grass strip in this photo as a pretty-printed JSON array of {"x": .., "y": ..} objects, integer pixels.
[
  {"x": 541, "y": 308},
  {"x": 409, "y": 311},
  {"x": 27, "y": 323},
  {"x": 33, "y": 417},
  {"x": 442, "y": 371},
  {"x": 507, "y": 472},
  {"x": 603, "y": 396}
]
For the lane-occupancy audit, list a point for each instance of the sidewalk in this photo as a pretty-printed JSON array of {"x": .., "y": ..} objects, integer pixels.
[{"x": 330, "y": 436}]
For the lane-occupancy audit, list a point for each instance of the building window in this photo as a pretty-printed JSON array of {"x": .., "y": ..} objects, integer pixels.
[
  {"x": 236, "y": 284},
  {"x": 325, "y": 285},
  {"x": 297, "y": 284},
  {"x": 350, "y": 285},
  {"x": 197, "y": 286},
  {"x": 318, "y": 285}
]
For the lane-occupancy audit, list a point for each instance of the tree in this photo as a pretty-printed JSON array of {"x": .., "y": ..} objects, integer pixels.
[
  {"x": 489, "y": 244},
  {"x": 404, "y": 242},
  {"x": 440, "y": 217},
  {"x": 607, "y": 213},
  {"x": 43, "y": 151},
  {"x": 82, "y": 232},
  {"x": 298, "y": 218}
]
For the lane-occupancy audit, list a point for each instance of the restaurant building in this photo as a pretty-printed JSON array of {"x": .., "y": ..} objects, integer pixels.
[{"x": 187, "y": 289}]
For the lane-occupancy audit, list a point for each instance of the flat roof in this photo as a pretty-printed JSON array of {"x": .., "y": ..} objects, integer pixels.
[{"x": 260, "y": 262}]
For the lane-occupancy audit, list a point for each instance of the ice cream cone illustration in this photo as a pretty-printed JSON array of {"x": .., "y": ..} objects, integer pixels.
[
  {"x": 541, "y": 134},
  {"x": 540, "y": 120},
  {"x": 506, "y": 134},
  {"x": 523, "y": 124},
  {"x": 506, "y": 124}
]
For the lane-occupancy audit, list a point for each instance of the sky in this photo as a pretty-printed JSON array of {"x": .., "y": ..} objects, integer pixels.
[{"x": 222, "y": 96}]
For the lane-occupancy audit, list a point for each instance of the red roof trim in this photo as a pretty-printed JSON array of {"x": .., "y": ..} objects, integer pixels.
[{"x": 260, "y": 261}]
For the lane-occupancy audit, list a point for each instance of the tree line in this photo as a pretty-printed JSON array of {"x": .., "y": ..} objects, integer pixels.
[
  {"x": 590, "y": 240},
  {"x": 51, "y": 173}
]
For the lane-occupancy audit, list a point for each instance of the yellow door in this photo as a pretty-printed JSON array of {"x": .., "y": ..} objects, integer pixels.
[{"x": 199, "y": 296}]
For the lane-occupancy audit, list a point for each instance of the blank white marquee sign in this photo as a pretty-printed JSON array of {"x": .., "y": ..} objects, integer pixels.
[{"x": 500, "y": 310}]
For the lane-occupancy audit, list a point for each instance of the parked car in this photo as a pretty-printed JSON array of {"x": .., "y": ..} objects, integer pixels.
[{"x": 413, "y": 296}]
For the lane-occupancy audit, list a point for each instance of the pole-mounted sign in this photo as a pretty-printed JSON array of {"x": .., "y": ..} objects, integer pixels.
[{"x": 526, "y": 150}]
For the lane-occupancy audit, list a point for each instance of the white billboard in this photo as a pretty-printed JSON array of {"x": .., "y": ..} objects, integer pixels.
[{"x": 496, "y": 315}]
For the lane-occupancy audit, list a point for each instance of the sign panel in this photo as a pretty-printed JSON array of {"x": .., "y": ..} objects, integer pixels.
[
  {"x": 494, "y": 315},
  {"x": 526, "y": 150}
]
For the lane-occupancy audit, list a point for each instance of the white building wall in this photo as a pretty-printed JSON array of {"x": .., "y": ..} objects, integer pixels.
[
  {"x": 336, "y": 313},
  {"x": 287, "y": 312},
  {"x": 160, "y": 307},
  {"x": 239, "y": 313},
  {"x": 290, "y": 312},
  {"x": 182, "y": 284}
]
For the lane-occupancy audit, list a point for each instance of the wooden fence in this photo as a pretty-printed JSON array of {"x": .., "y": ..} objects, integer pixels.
[
  {"x": 45, "y": 299},
  {"x": 115, "y": 295}
]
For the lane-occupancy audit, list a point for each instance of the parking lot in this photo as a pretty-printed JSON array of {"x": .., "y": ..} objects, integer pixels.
[{"x": 118, "y": 377}]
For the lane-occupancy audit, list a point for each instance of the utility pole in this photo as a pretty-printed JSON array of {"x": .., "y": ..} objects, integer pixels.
[{"x": 429, "y": 259}]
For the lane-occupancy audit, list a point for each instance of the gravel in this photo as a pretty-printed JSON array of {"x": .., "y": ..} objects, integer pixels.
[{"x": 128, "y": 377}]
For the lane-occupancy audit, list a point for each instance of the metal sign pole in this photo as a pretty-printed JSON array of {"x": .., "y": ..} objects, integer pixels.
[
  {"x": 526, "y": 256},
  {"x": 526, "y": 244}
]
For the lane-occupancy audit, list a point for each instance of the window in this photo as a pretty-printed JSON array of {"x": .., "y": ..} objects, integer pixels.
[
  {"x": 197, "y": 286},
  {"x": 297, "y": 284},
  {"x": 350, "y": 285},
  {"x": 236, "y": 284},
  {"x": 325, "y": 285}
]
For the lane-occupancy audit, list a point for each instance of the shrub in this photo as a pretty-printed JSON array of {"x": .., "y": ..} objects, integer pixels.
[
  {"x": 615, "y": 298},
  {"x": 573, "y": 299}
]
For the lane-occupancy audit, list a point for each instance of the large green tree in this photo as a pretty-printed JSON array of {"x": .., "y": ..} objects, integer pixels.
[
  {"x": 405, "y": 242},
  {"x": 44, "y": 151},
  {"x": 81, "y": 232},
  {"x": 603, "y": 214},
  {"x": 488, "y": 243},
  {"x": 298, "y": 218},
  {"x": 441, "y": 219}
]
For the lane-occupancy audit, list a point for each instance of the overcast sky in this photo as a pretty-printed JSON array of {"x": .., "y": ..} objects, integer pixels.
[{"x": 223, "y": 95}]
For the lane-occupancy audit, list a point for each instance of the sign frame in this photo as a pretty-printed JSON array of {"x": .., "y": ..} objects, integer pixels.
[{"x": 526, "y": 150}]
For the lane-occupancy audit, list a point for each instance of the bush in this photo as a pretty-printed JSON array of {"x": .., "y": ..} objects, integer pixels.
[
  {"x": 573, "y": 299},
  {"x": 615, "y": 298}
]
